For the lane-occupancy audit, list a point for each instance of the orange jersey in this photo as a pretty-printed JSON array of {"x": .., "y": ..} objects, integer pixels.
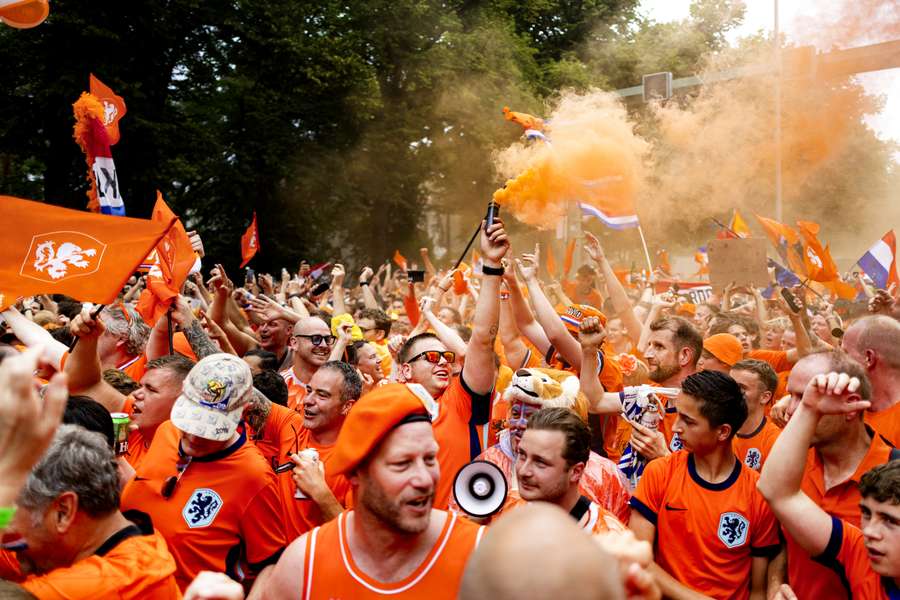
[
  {"x": 886, "y": 423},
  {"x": 706, "y": 533},
  {"x": 132, "y": 564},
  {"x": 808, "y": 578},
  {"x": 221, "y": 510},
  {"x": 296, "y": 389},
  {"x": 777, "y": 359},
  {"x": 330, "y": 572},
  {"x": 847, "y": 555},
  {"x": 301, "y": 515},
  {"x": 753, "y": 449},
  {"x": 457, "y": 439},
  {"x": 280, "y": 434}
]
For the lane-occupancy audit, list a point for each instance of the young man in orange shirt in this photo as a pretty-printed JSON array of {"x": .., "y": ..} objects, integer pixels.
[
  {"x": 712, "y": 531},
  {"x": 754, "y": 439},
  {"x": 393, "y": 543},
  {"x": 209, "y": 490},
  {"x": 551, "y": 457},
  {"x": 74, "y": 542},
  {"x": 464, "y": 401},
  {"x": 867, "y": 559}
]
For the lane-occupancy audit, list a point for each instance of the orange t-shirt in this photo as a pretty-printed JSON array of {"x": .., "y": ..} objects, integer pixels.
[
  {"x": 329, "y": 570},
  {"x": 137, "y": 567},
  {"x": 302, "y": 514},
  {"x": 457, "y": 440},
  {"x": 593, "y": 298},
  {"x": 596, "y": 519},
  {"x": 847, "y": 555},
  {"x": 886, "y": 423},
  {"x": 221, "y": 511},
  {"x": 706, "y": 533},
  {"x": 753, "y": 449},
  {"x": 777, "y": 359},
  {"x": 296, "y": 389},
  {"x": 280, "y": 434},
  {"x": 808, "y": 578}
]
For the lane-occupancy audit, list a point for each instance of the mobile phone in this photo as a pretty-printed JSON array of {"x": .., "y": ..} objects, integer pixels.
[
  {"x": 320, "y": 289},
  {"x": 415, "y": 276},
  {"x": 493, "y": 211},
  {"x": 251, "y": 275},
  {"x": 791, "y": 300}
]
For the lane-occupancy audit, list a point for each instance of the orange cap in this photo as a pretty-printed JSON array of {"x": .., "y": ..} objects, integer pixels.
[
  {"x": 725, "y": 347},
  {"x": 373, "y": 416},
  {"x": 573, "y": 314}
]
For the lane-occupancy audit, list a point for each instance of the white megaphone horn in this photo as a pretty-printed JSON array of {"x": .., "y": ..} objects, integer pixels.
[{"x": 480, "y": 488}]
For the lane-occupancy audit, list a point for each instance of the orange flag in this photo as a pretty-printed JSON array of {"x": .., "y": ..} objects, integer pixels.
[
  {"x": 570, "y": 257},
  {"x": 551, "y": 262},
  {"x": 113, "y": 108},
  {"x": 461, "y": 279},
  {"x": 174, "y": 259},
  {"x": 52, "y": 250},
  {"x": 819, "y": 264},
  {"x": 786, "y": 242},
  {"x": 250, "y": 242},
  {"x": 400, "y": 260}
]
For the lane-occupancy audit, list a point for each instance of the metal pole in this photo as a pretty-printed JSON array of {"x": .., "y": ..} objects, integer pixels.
[
  {"x": 777, "y": 55},
  {"x": 646, "y": 252}
]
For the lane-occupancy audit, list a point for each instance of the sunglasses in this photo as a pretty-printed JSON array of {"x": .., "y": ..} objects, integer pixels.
[
  {"x": 317, "y": 339},
  {"x": 172, "y": 481},
  {"x": 289, "y": 465},
  {"x": 434, "y": 356}
]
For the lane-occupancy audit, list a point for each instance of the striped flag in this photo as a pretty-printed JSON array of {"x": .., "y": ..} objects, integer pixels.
[{"x": 880, "y": 261}]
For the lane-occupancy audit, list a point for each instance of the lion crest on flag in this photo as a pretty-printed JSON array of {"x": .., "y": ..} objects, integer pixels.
[{"x": 57, "y": 261}]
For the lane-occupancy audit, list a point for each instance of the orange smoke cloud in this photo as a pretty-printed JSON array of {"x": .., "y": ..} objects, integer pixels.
[{"x": 594, "y": 155}]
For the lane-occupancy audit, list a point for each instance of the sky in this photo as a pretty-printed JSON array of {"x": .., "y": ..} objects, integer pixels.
[{"x": 760, "y": 15}]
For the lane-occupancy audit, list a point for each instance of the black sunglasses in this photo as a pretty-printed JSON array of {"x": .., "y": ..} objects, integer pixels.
[
  {"x": 318, "y": 338},
  {"x": 289, "y": 465},
  {"x": 434, "y": 356},
  {"x": 172, "y": 481}
]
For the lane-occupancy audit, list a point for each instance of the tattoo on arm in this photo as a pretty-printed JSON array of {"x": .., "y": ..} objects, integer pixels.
[{"x": 199, "y": 340}]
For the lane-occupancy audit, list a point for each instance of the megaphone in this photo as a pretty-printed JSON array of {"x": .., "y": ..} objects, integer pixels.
[{"x": 480, "y": 488}]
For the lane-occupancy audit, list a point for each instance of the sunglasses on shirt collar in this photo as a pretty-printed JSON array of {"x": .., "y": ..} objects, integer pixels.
[
  {"x": 434, "y": 356},
  {"x": 172, "y": 481}
]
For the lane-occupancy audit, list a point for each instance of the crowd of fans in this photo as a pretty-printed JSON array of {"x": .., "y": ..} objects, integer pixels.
[{"x": 292, "y": 435}]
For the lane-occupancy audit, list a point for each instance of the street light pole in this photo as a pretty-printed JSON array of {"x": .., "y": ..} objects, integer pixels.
[{"x": 777, "y": 56}]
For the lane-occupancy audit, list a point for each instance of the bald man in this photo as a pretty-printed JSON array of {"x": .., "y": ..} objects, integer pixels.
[
  {"x": 310, "y": 343},
  {"x": 874, "y": 342},
  {"x": 537, "y": 551}
]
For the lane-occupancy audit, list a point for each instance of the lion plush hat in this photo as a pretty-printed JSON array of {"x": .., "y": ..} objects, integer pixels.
[{"x": 546, "y": 388}]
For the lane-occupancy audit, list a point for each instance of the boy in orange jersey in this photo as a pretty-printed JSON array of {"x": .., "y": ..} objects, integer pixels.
[
  {"x": 393, "y": 543},
  {"x": 754, "y": 439},
  {"x": 713, "y": 532},
  {"x": 867, "y": 559}
]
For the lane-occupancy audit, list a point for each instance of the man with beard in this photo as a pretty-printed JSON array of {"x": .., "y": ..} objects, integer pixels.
[
  {"x": 393, "y": 543},
  {"x": 310, "y": 343}
]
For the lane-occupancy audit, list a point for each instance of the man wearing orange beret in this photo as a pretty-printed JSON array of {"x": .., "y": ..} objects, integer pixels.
[{"x": 393, "y": 543}]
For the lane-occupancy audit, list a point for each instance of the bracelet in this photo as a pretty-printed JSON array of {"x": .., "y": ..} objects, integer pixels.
[
  {"x": 6, "y": 515},
  {"x": 492, "y": 270},
  {"x": 363, "y": 283},
  {"x": 445, "y": 290},
  {"x": 294, "y": 295}
]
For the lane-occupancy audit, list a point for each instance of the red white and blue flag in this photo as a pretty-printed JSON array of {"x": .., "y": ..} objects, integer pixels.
[
  {"x": 616, "y": 219},
  {"x": 880, "y": 261}
]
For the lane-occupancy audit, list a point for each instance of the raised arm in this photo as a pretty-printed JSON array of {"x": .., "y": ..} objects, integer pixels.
[
  {"x": 478, "y": 372},
  {"x": 779, "y": 483},
  {"x": 591, "y": 336},
  {"x": 524, "y": 318},
  {"x": 31, "y": 334},
  {"x": 337, "y": 289},
  {"x": 513, "y": 347},
  {"x": 83, "y": 365},
  {"x": 559, "y": 337},
  {"x": 447, "y": 334},
  {"x": 617, "y": 295},
  {"x": 366, "y": 280}
]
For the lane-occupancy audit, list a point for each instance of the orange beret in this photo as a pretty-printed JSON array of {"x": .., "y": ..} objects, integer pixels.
[
  {"x": 573, "y": 314},
  {"x": 374, "y": 416},
  {"x": 725, "y": 347}
]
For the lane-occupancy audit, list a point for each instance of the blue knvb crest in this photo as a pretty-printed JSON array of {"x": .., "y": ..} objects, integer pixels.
[{"x": 201, "y": 508}]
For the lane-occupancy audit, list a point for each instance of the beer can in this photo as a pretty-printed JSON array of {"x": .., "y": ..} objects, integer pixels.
[
  {"x": 313, "y": 454},
  {"x": 120, "y": 432}
]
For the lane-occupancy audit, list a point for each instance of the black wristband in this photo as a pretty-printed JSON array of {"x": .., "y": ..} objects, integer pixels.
[
  {"x": 492, "y": 270},
  {"x": 294, "y": 296},
  {"x": 363, "y": 283}
]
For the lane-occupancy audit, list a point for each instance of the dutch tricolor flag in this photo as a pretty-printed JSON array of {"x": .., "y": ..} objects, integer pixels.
[{"x": 880, "y": 261}]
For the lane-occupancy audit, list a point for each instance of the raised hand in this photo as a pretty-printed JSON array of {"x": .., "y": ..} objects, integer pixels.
[
  {"x": 833, "y": 394},
  {"x": 591, "y": 333}
]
